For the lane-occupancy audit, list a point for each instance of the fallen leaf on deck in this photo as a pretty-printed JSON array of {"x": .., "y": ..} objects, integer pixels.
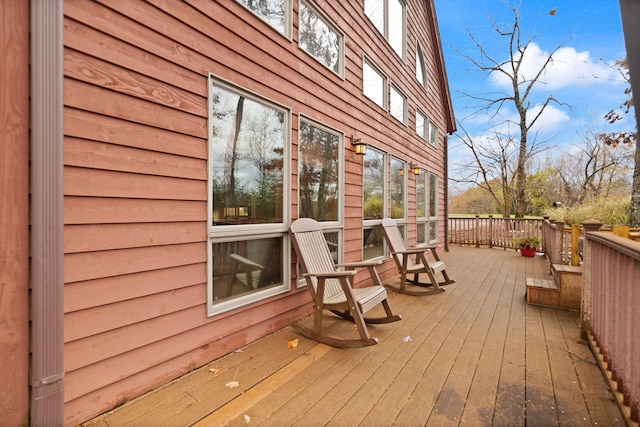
[
  {"x": 406, "y": 339},
  {"x": 232, "y": 384},
  {"x": 215, "y": 371},
  {"x": 238, "y": 350},
  {"x": 293, "y": 344},
  {"x": 247, "y": 419}
]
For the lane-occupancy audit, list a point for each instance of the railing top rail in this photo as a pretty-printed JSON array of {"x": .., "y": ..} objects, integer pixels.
[{"x": 620, "y": 244}]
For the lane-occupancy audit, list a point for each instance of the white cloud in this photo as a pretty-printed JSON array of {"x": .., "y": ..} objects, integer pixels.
[{"x": 569, "y": 68}]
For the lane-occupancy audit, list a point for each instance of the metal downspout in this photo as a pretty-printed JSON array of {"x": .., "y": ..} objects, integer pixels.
[
  {"x": 47, "y": 368},
  {"x": 446, "y": 193}
]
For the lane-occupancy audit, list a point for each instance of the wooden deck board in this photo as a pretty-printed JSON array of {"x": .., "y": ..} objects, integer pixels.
[{"x": 478, "y": 355}]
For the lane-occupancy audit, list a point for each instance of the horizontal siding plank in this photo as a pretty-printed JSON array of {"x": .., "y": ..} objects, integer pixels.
[
  {"x": 98, "y": 155},
  {"x": 100, "y": 237},
  {"x": 95, "y": 210},
  {"x": 92, "y": 126},
  {"x": 95, "y": 320},
  {"x": 96, "y": 72},
  {"x": 93, "y": 265},
  {"x": 101, "y": 183},
  {"x": 110, "y": 49},
  {"x": 109, "y": 290},
  {"x": 96, "y": 99}
]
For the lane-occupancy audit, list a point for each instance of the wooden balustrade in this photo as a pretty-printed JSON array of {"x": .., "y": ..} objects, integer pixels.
[
  {"x": 492, "y": 232},
  {"x": 610, "y": 315}
]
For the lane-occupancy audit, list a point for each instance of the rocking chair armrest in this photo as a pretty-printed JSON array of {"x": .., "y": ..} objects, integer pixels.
[
  {"x": 411, "y": 251},
  {"x": 359, "y": 264},
  {"x": 331, "y": 274}
]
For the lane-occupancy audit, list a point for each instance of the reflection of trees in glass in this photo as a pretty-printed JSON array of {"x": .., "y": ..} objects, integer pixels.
[
  {"x": 373, "y": 166},
  {"x": 318, "y": 168},
  {"x": 318, "y": 39},
  {"x": 247, "y": 150},
  {"x": 421, "y": 198},
  {"x": 272, "y": 11},
  {"x": 397, "y": 188},
  {"x": 433, "y": 195}
]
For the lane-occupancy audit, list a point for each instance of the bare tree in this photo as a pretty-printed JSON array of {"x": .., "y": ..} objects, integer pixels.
[{"x": 518, "y": 95}]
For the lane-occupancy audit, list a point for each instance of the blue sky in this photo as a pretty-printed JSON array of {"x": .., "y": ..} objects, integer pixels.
[{"x": 581, "y": 76}]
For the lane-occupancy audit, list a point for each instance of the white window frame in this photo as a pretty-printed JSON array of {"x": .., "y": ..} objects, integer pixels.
[
  {"x": 425, "y": 125},
  {"x": 288, "y": 17},
  {"x": 433, "y": 134},
  {"x": 421, "y": 71},
  {"x": 227, "y": 233},
  {"x": 333, "y": 27},
  {"x": 366, "y": 62},
  {"x": 373, "y": 223},
  {"x": 432, "y": 219},
  {"x": 394, "y": 92},
  {"x": 370, "y": 9}
]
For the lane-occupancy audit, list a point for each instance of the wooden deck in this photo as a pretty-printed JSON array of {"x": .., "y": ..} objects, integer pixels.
[{"x": 475, "y": 355}]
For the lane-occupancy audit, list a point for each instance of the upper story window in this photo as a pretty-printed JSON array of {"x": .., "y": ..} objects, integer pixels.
[
  {"x": 318, "y": 173},
  {"x": 320, "y": 39},
  {"x": 421, "y": 72},
  {"x": 373, "y": 83},
  {"x": 398, "y": 104},
  {"x": 433, "y": 134},
  {"x": 421, "y": 128},
  {"x": 389, "y": 18},
  {"x": 276, "y": 13}
]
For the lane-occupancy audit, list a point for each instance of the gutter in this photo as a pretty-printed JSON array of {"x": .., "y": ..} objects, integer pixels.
[{"x": 47, "y": 340}]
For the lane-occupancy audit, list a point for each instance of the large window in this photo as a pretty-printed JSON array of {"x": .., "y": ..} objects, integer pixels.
[
  {"x": 374, "y": 173},
  {"x": 319, "y": 173},
  {"x": 248, "y": 152},
  {"x": 427, "y": 207},
  {"x": 374, "y": 83},
  {"x": 398, "y": 104},
  {"x": 433, "y": 134},
  {"x": 276, "y": 13},
  {"x": 320, "y": 39},
  {"x": 389, "y": 18},
  {"x": 397, "y": 189}
]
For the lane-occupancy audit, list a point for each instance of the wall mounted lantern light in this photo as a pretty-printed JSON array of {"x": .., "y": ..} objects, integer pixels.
[
  {"x": 359, "y": 145},
  {"x": 416, "y": 169}
]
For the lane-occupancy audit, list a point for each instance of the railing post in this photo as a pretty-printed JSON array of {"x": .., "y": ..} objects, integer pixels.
[
  {"x": 575, "y": 250},
  {"x": 585, "y": 312},
  {"x": 477, "y": 227},
  {"x": 490, "y": 231},
  {"x": 559, "y": 241}
]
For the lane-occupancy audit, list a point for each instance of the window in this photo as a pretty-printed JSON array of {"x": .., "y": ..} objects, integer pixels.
[
  {"x": 319, "y": 173},
  {"x": 248, "y": 192},
  {"x": 373, "y": 83},
  {"x": 397, "y": 188},
  {"x": 274, "y": 12},
  {"x": 421, "y": 129},
  {"x": 320, "y": 39},
  {"x": 421, "y": 73},
  {"x": 427, "y": 207},
  {"x": 388, "y": 16},
  {"x": 374, "y": 173},
  {"x": 433, "y": 134},
  {"x": 398, "y": 104}
]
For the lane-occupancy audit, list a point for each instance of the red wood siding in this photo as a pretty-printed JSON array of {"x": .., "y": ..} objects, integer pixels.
[{"x": 135, "y": 155}]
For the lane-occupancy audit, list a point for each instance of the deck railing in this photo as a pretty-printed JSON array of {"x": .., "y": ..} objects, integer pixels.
[
  {"x": 611, "y": 314},
  {"x": 492, "y": 232}
]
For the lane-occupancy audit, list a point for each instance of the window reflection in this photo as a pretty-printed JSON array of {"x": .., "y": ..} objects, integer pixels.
[
  {"x": 372, "y": 243},
  {"x": 246, "y": 156},
  {"x": 318, "y": 173},
  {"x": 319, "y": 39},
  {"x": 373, "y": 183},
  {"x": 274, "y": 12},
  {"x": 398, "y": 177},
  {"x": 244, "y": 267}
]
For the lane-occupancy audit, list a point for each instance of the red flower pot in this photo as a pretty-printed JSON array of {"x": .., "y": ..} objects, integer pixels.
[{"x": 527, "y": 251}]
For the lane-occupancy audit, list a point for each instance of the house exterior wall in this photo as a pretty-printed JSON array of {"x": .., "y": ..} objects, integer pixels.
[
  {"x": 14, "y": 213},
  {"x": 135, "y": 173}
]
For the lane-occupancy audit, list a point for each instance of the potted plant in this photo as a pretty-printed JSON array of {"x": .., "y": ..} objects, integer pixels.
[{"x": 527, "y": 244}]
